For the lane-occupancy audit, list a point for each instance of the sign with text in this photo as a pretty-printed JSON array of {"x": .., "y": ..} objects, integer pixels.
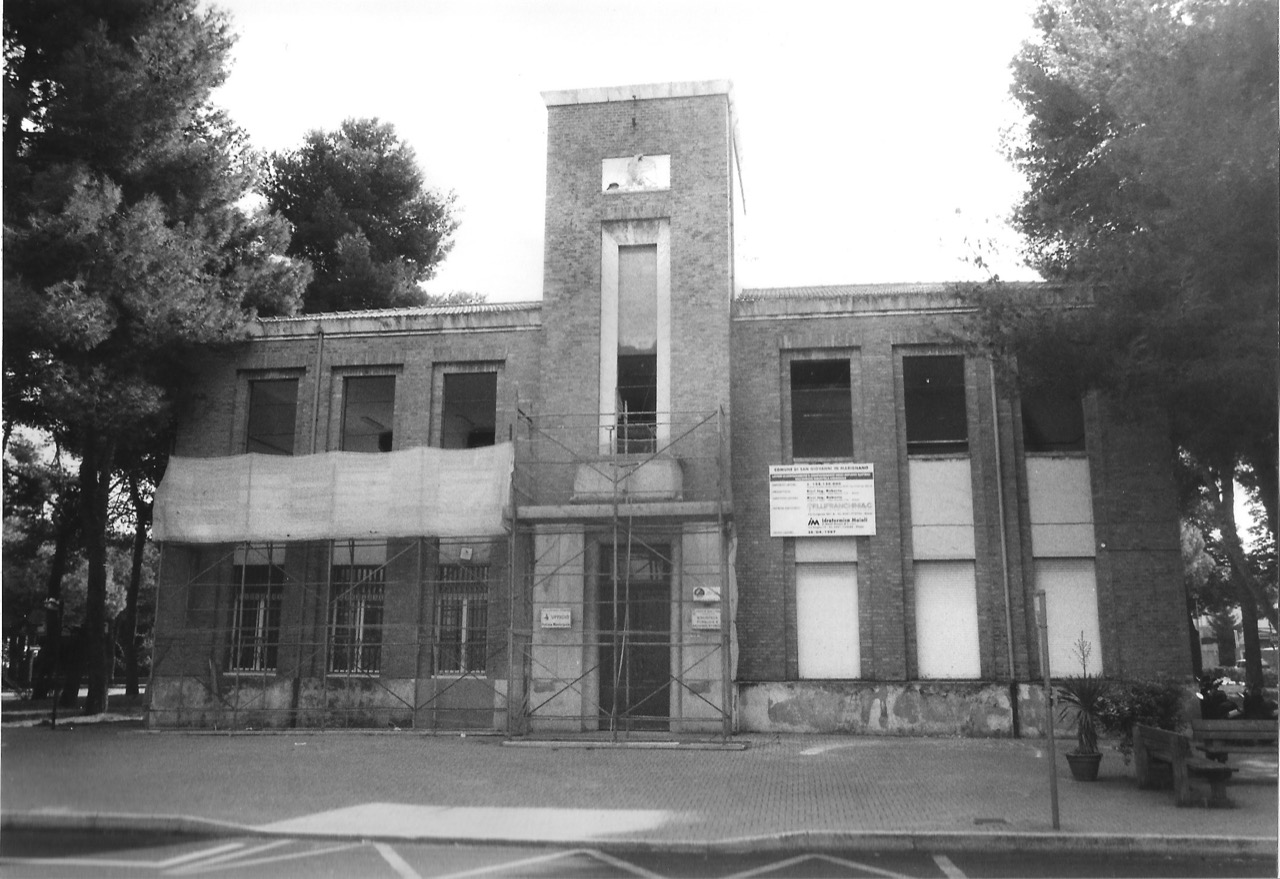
[
  {"x": 822, "y": 500},
  {"x": 557, "y": 618},
  {"x": 705, "y": 619}
]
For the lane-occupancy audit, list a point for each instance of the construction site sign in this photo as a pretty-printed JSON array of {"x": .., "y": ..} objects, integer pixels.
[{"x": 822, "y": 500}]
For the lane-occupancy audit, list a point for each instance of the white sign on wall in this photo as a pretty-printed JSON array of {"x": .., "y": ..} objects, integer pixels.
[
  {"x": 705, "y": 619},
  {"x": 557, "y": 618},
  {"x": 822, "y": 500}
]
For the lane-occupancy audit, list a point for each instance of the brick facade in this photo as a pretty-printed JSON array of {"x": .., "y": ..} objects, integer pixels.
[{"x": 728, "y": 362}]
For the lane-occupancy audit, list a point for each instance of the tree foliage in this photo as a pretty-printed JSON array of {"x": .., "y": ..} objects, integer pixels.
[
  {"x": 1149, "y": 152},
  {"x": 362, "y": 216},
  {"x": 124, "y": 245}
]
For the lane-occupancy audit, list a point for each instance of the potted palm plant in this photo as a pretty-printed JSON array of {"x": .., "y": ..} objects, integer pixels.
[{"x": 1084, "y": 696}]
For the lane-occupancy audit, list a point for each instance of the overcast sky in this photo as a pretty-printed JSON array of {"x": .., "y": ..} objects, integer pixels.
[{"x": 869, "y": 131}]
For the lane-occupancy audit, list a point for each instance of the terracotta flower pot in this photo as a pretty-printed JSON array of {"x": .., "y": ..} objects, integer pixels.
[{"x": 1084, "y": 767}]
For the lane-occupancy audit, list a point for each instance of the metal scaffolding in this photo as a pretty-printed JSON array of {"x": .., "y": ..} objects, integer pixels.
[
  {"x": 651, "y": 645},
  {"x": 396, "y": 634}
]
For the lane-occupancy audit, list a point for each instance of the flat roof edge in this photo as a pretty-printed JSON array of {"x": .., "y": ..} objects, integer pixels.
[{"x": 643, "y": 92}]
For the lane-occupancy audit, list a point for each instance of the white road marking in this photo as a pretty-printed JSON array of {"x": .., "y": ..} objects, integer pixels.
[
  {"x": 257, "y": 862},
  {"x": 399, "y": 864},
  {"x": 949, "y": 869},
  {"x": 200, "y": 865},
  {"x": 508, "y": 865},
  {"x": 624, "y": 865},
  {"x": 81, "y": 862},
  {"x": 800, "y": 859},
  {"x": 195, "y": 856}
]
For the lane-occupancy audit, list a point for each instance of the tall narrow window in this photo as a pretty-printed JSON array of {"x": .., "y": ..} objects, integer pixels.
[
  {"x": 821, "y": 409},
  {"x": 933, "y": 392},
  {"x": 1052, "y": 421},
  {"x": 255, "y": 615},
  {"x": 637, "y": 347},
  {"x": 355, "y": 618},
  {"x": 469, "y": 414},
  {"x": 462, "y": 619},
  {"x": 368, "y": 414},
  {"x": 273, "y": 411}
]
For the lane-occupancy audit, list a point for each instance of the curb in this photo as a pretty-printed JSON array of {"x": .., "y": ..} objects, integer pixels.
[{"x": 797, "y": 841}]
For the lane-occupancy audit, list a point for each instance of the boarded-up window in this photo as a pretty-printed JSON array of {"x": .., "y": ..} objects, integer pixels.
[
  {"x": 1071, "y": 596},
  {"x": 273, "y": 411},
  {"x": 933, "y": 392},
  {"x": 369, "y": 403},
  {"x": 1052, "y": 421},
  {"x": 469, "y": 415},
  {"x": 947, "y": 620},
  {"x": 821, "y": 409},
  {"x": 827, "y": 643}
]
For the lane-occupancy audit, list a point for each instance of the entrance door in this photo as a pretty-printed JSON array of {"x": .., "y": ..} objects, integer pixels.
[{"x": 633, "y": 611}]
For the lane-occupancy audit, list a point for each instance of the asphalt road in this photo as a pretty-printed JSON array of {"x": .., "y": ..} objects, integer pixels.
[{"x": 41, "y": 854}]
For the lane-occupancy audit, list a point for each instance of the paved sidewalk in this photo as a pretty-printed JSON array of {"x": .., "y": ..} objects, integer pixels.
[{"x": 767, "y": 792}]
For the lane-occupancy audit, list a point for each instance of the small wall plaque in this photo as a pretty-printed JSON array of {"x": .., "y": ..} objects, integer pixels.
[
  {"x": 706, "y": 619},
  {"x": 557, "y": 618}
]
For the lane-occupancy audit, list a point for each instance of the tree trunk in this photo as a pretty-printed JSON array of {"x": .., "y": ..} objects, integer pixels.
[
  {"x": 129, "y": 625},
  {"x": 95, "y": 488},
  {"x": 49, "y": 665},
  {"x": 1251, "y": 595}
]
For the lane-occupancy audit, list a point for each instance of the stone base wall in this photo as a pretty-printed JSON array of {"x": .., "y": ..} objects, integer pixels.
[
  {"x": 956, "y": 708},
  {"x": 356, "y": 703}
]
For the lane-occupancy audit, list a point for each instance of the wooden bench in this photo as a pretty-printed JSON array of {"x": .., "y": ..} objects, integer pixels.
[
  {"x": 1218, "y": 738},
  {"x": 1155, "y": 747}
]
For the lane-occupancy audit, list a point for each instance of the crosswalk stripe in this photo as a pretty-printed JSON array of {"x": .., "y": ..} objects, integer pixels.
[
  {"x": 947, "y": 867},
  {"x": 399, "y": 864}
]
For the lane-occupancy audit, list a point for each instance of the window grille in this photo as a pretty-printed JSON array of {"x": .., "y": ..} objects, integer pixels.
[
  {"x": 255, "y": 623},
  {"x": 462, "y": 619},
  {"x": 355, "y": 619}
]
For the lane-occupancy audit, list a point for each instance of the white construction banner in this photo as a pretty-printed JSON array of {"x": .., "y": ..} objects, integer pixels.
[
  {"x": 419, "y": 492},
  {"x": 822, "y": 500}
]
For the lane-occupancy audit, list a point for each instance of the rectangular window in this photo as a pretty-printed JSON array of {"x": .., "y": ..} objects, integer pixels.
[
  {"x": 469, "y": 413},
  {"x": 1052, "y": 421},
  {"x": 462, "y": 619},
  {"x": 368, "y": 413},
  {"x": 637, "y": 347},
  {"x": 821, "y": 409},
  {"x": 933, "y": 394},
  {"x": 355, "y": 618},
  {"x": 255, "y": 616},
  {"x": 273, "y": 411},
  {"x": 947, "y": 620}
]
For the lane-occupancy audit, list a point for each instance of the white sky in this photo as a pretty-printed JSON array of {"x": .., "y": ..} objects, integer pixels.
[{"x": 869, "y": 131}]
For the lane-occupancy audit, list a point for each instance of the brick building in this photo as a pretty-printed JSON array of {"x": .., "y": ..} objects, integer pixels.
[{"x": 651, "y": 501}]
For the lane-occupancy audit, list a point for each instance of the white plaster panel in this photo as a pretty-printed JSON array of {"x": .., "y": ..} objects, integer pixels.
[
  {"x": 826, "y": 549},
  {"x": 947, "y": 620},
  {"x": 827, "y": 643},
  {"x": 1071, "y": 595},
  {"x": 1060, "y": 501},
  {"x": 941, "y": 509},
  {"x": 558, "y": 653}
]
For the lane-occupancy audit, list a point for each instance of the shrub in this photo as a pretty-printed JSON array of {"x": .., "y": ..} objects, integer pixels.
[{"x": 1158, "y": 703}]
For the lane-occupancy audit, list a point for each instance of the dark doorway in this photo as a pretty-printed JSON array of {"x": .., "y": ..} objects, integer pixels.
[{"x": 634, "y": 622}]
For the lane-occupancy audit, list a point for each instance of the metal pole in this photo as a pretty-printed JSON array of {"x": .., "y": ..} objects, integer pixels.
[
  {"x": 1042, "y": 613},
  {"x": 726, "y": 608}
]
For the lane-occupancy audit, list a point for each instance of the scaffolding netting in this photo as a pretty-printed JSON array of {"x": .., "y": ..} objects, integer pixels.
[{"x": 408, "y": 493}]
